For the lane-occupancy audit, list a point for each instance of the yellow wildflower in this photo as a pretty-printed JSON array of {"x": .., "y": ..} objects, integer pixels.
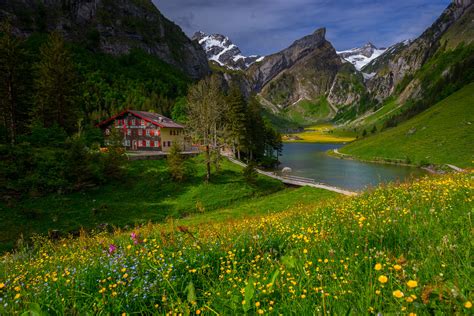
[
  {"x": 2, "y": 285},
  {"x": 398, "y": 294},
  {"x": 125, "y": 275},
  {"x": 397, "y": 267},
  {"x": 383, "y": 279},
  {"x": 17, "y": 288},
  {"x": 378, "y": 267},
  {"x": 17, "y": 296},
  {"x": 198, "y": 312},
  {"x": 260, "y": 311},
  {"x": 412, "y": 283},
  {"x": 468, "y": 304},
  {"x": 257, "y": 304}
]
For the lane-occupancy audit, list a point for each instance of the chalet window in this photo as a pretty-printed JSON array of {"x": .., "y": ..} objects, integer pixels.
[
  {"x": 157, "y": 133},
  {"x": 147, "y": 132},
  {"x": 147, "y": 143},
  {"x": 139, "y": 132},
  {"x": 171, "y": 132},
  {"x": 143, "y": 122},
  {"x": 169, "y": 143},
  {"x": 133, "y": 122},
  {"x": 156, "y": 144},
  {"x": 107, "y": 131},
  {"x": 129, "y": 122},
  {"x": 129, "y": 132}
]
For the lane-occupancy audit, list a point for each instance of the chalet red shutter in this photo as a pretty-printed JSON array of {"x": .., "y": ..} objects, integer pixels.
[{"x": 143, "y": 143}]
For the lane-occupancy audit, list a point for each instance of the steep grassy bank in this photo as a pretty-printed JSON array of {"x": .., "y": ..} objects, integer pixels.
[
  {"x": 442, "y": 134},
  {"x": 397, "y": 250},
  {"x": 145, "y": 193}
]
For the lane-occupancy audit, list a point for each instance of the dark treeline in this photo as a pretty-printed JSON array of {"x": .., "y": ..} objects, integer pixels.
[
  {"x": 230, "y": 122},
  {"x": 52, "y": 93}
]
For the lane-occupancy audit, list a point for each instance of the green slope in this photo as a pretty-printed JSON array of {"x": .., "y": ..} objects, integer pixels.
[{"x": 442, "y": 134}]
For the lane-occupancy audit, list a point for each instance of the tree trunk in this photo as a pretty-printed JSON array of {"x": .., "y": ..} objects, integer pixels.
[{"x": 208, "y": 164}]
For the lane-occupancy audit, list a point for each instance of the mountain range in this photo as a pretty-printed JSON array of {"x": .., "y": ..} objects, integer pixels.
[{"x": 308, "y": 81}]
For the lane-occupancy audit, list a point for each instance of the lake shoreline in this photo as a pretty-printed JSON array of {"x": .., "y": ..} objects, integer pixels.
[{"x": 336, "y": 154}]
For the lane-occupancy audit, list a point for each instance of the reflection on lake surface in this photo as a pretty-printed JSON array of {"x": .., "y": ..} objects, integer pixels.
[{"x": 310, "y": 160}]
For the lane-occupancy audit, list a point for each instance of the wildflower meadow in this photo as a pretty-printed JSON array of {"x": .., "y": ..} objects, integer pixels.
[{"x": 401, "y": 249}]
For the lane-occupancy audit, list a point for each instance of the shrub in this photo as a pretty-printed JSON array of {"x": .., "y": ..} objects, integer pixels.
[
  {"x": 176, "y": 163},
  {"x": 250, "y": 173}
]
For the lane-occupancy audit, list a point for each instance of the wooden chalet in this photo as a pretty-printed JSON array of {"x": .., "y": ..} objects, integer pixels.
[{"x": 145, "y": 131}]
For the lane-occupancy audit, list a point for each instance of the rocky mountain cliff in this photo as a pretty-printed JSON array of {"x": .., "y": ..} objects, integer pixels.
[
  {"x": 308, "y": 71},
  {"x": 221, "y": 50},
  {"x": 110, "y": 26},
  {"x": 361, "y": 56},
  {"x": 405, "y": 59}
]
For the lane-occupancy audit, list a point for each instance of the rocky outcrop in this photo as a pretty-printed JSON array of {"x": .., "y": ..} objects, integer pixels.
[
  {"x": 307, "y": 70},
  {"x": 273, "y": 65},
  {"x": 221, "y": 50},
  {"x": 407, "y": 58},
  {"x": 111, "y": 26}
]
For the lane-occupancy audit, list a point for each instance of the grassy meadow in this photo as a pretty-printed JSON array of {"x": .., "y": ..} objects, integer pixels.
[
  {"x": 400, "y": 249},
  {"x": 145, "y": 194},
  {"x": 442, "y": 134},
  {"x": 320, "y": 133}
]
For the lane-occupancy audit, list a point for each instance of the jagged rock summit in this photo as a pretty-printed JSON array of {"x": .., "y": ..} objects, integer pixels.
[
  {"x": 361, "y": 56},
  {"x": 220, "y": 49}
]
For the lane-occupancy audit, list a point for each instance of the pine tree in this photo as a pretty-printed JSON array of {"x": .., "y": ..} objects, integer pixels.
[
  {"x": 56, "y": 85},
  {"x": 236, "y": 118},
  {"x": 255, "y": 130},
  {"x": 11, "y": 85}
]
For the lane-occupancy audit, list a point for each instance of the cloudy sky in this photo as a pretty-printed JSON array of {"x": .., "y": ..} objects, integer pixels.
[{"x": 267, "y": 26}]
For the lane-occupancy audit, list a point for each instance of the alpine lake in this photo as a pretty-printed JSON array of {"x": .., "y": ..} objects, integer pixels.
[{"x": 310, "y": 160}]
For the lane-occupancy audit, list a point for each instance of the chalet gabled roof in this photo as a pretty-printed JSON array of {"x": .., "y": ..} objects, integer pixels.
[{"x": 154, "y": 118}]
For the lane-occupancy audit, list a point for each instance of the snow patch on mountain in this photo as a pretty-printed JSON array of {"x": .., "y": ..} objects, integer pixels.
[
  {"x": 220, "y": 49},
  {"x": 361, "y": 56}
]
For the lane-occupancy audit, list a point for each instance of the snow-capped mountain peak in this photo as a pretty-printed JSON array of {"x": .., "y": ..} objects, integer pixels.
[
  {"x": 220, "y": 49},
  {"x": 361, "y": 56}
]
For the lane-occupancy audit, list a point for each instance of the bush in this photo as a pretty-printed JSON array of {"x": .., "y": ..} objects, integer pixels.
[
  {"x": 250, "y": 173},
  {"x": 176, "y": 163}
]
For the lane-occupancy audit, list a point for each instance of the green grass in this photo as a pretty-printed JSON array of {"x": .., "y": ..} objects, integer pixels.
[
  {"x": 396, "y": 250},
  {"x": 389, "y": 107},
  {"x": 146, "y": 193},
  {"x": 442, "y": 134},
  {"x": 265, "y": 205}
]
